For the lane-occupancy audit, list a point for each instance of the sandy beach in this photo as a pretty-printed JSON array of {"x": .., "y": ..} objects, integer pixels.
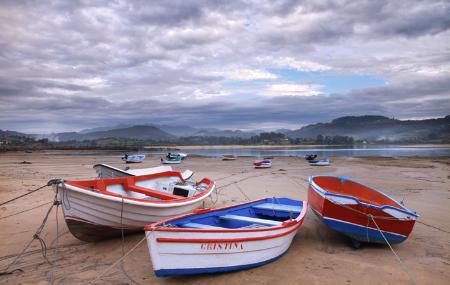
[{"x": 316, "y": 256}]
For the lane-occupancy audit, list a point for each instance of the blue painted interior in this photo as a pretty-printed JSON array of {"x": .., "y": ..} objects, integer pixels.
[{"x": 213, "y": 218}]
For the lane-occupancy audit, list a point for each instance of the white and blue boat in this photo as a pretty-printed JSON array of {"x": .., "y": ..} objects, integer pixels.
[
  {"x": 225, "y": 239},
  {"x": 319, "y": 162},
  {"x": 133, "y": 158}
]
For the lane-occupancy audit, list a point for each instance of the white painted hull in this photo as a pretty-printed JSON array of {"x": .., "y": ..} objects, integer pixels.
[
  {"x": 180, "y": 258},
  {"x": 107, "y": 212}
]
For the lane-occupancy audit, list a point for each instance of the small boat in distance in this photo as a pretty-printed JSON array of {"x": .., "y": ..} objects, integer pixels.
[
  {"x": 176, "y": 160},
  {"x": 176, "y": 155},
  {"x": 265, "y": 163},
  {"x": 359, "y": 212},
  {"x": 225, "y": 239},
  {"x": 101, "y": 208},
  {"x": 320, "y": 162},
  {"x": 133, "y": 158},
  {"x": 229, "y": 157},
  {"x": 108, "y": 171},
  {"x": 310, "y": 156}
]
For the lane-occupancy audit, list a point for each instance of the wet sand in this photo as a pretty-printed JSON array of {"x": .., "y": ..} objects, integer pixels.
[{"x": 316, "y": 256}]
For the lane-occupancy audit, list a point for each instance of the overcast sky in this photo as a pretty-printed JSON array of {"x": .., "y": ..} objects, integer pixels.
[{"x": 69, "y": 65}]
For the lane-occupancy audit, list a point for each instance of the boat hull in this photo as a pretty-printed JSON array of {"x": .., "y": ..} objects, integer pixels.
[
  {"x": 92, "y": 216},
  {"x": 185, "y": 253},
  {"x": 353, "y": 220}
]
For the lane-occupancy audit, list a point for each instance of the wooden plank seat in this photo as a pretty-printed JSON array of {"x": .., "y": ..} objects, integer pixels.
[
  {"x": 200, "y": 226},
  {"x": 278, "y": 207},
  {"x": 250, "y": 220}
]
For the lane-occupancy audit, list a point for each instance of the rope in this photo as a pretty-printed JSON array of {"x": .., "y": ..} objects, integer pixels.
[
  {"x": 52, "y": 279},
  {"x": 405, "y": 269},
  {"x": 36, "y": 235},
  {"x": 434, "y": 227},
  {"x": 118, "y": 260},
  {"x": 24, "y": 211},
  {"x": 23, "y": 195},
  {"x": 242, "y": 191}
]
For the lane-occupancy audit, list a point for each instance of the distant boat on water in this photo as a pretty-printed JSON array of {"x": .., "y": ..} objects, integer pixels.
[{"x": 133, "y": 158}]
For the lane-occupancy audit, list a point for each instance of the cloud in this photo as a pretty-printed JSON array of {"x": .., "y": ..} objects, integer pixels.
[
  {"x": 226, "y": 64},
  {"x": 307, "y": 90}
]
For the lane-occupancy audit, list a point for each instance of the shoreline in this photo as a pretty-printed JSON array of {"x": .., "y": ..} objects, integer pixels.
[{"x": 290, "y": 146}]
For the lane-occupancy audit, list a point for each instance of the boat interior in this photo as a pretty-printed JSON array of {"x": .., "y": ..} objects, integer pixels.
[
  {"x": 342, "y": 186},
  {"x": 168, "y": 185},
  {"x": 264, "y": 213}
]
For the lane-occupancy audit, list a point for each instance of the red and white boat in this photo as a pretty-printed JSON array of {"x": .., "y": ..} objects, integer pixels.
[
  {"x": 231, "y": 238},
  {"x": 265, "y": 163},
  {"x": 359, "y": 212},
  {"x": 101, "y": 208}
]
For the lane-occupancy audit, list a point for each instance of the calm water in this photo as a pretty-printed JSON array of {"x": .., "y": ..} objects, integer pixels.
[{"x": 390, "y": 150}]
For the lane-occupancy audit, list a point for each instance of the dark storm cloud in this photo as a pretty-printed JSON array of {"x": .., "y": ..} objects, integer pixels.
[{"x": 137, "y": 61}]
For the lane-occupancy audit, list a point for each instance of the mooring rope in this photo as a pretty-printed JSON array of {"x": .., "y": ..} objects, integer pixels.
[
  {"x": 24, "y": 211},
  {"x": 36, "y": 235},
  {"x": 117, "y": 261},
  {"x": 23, "y": 195},
  {"x": 405, "y": 269}
]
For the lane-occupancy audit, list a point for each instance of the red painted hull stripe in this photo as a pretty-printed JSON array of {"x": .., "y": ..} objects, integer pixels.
[{"x": 202, "y": 240}]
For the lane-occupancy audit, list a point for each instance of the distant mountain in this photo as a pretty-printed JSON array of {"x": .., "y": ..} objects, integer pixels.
[
  {"x": 225, "y": 133},
  {"x": 377, "y": 128},
  {"x": 134, "y": 132},
  {"x": 107, "y": 128},
  {"x": 178, "y": 130},
  {"x": 7, "y": 133}
]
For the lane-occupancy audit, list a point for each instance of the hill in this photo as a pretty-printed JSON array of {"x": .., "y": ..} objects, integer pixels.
[
  {"x": 378, "y": 128},
  {"x": 134, "y": 132}
]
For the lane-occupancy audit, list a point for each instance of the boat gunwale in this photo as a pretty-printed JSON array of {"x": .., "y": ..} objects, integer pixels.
[
  {"x": 297, "y": 221},
  {"x": 143, "y": 202},
  {"x": 324, "y": 192}
]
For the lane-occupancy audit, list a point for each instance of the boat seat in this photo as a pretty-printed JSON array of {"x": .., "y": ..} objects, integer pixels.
[
  {"x": 250, "y": 220},
  {"x": 200, "y": 226},
  {"x": 253, "y": 226},
  {"x": 278, "y": 207}
]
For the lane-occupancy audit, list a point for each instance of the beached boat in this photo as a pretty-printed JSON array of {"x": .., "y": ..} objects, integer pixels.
[
  {"x": 108, "y": 171},
  {"x": 98, "y": 209},
  {"x": 358, "y": 211},
  {"x": 176, "y": 160},
  {"x": 310, "y": 156},
  {"x": 320, "y": 162},
  {"x": 229, "y": 157},
  {"x": 133, "y": 158},
  {"x": 265, "y": 163},
  {"x": 225, "y": 239}
]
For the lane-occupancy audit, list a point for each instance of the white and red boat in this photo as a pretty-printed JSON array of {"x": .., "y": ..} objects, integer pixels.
[
  {"x": 359, "y": 212},
  {"x": 108, "y": 171},
  {"x": 265, "y": 163},
  {"x": 225, "y": 239},
  {"x": 229, "y": 157},
  {"x": 101, "y": 208}
]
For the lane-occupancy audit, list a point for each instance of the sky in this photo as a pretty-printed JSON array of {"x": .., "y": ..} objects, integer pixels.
[{"x": 70, "y": 65}]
